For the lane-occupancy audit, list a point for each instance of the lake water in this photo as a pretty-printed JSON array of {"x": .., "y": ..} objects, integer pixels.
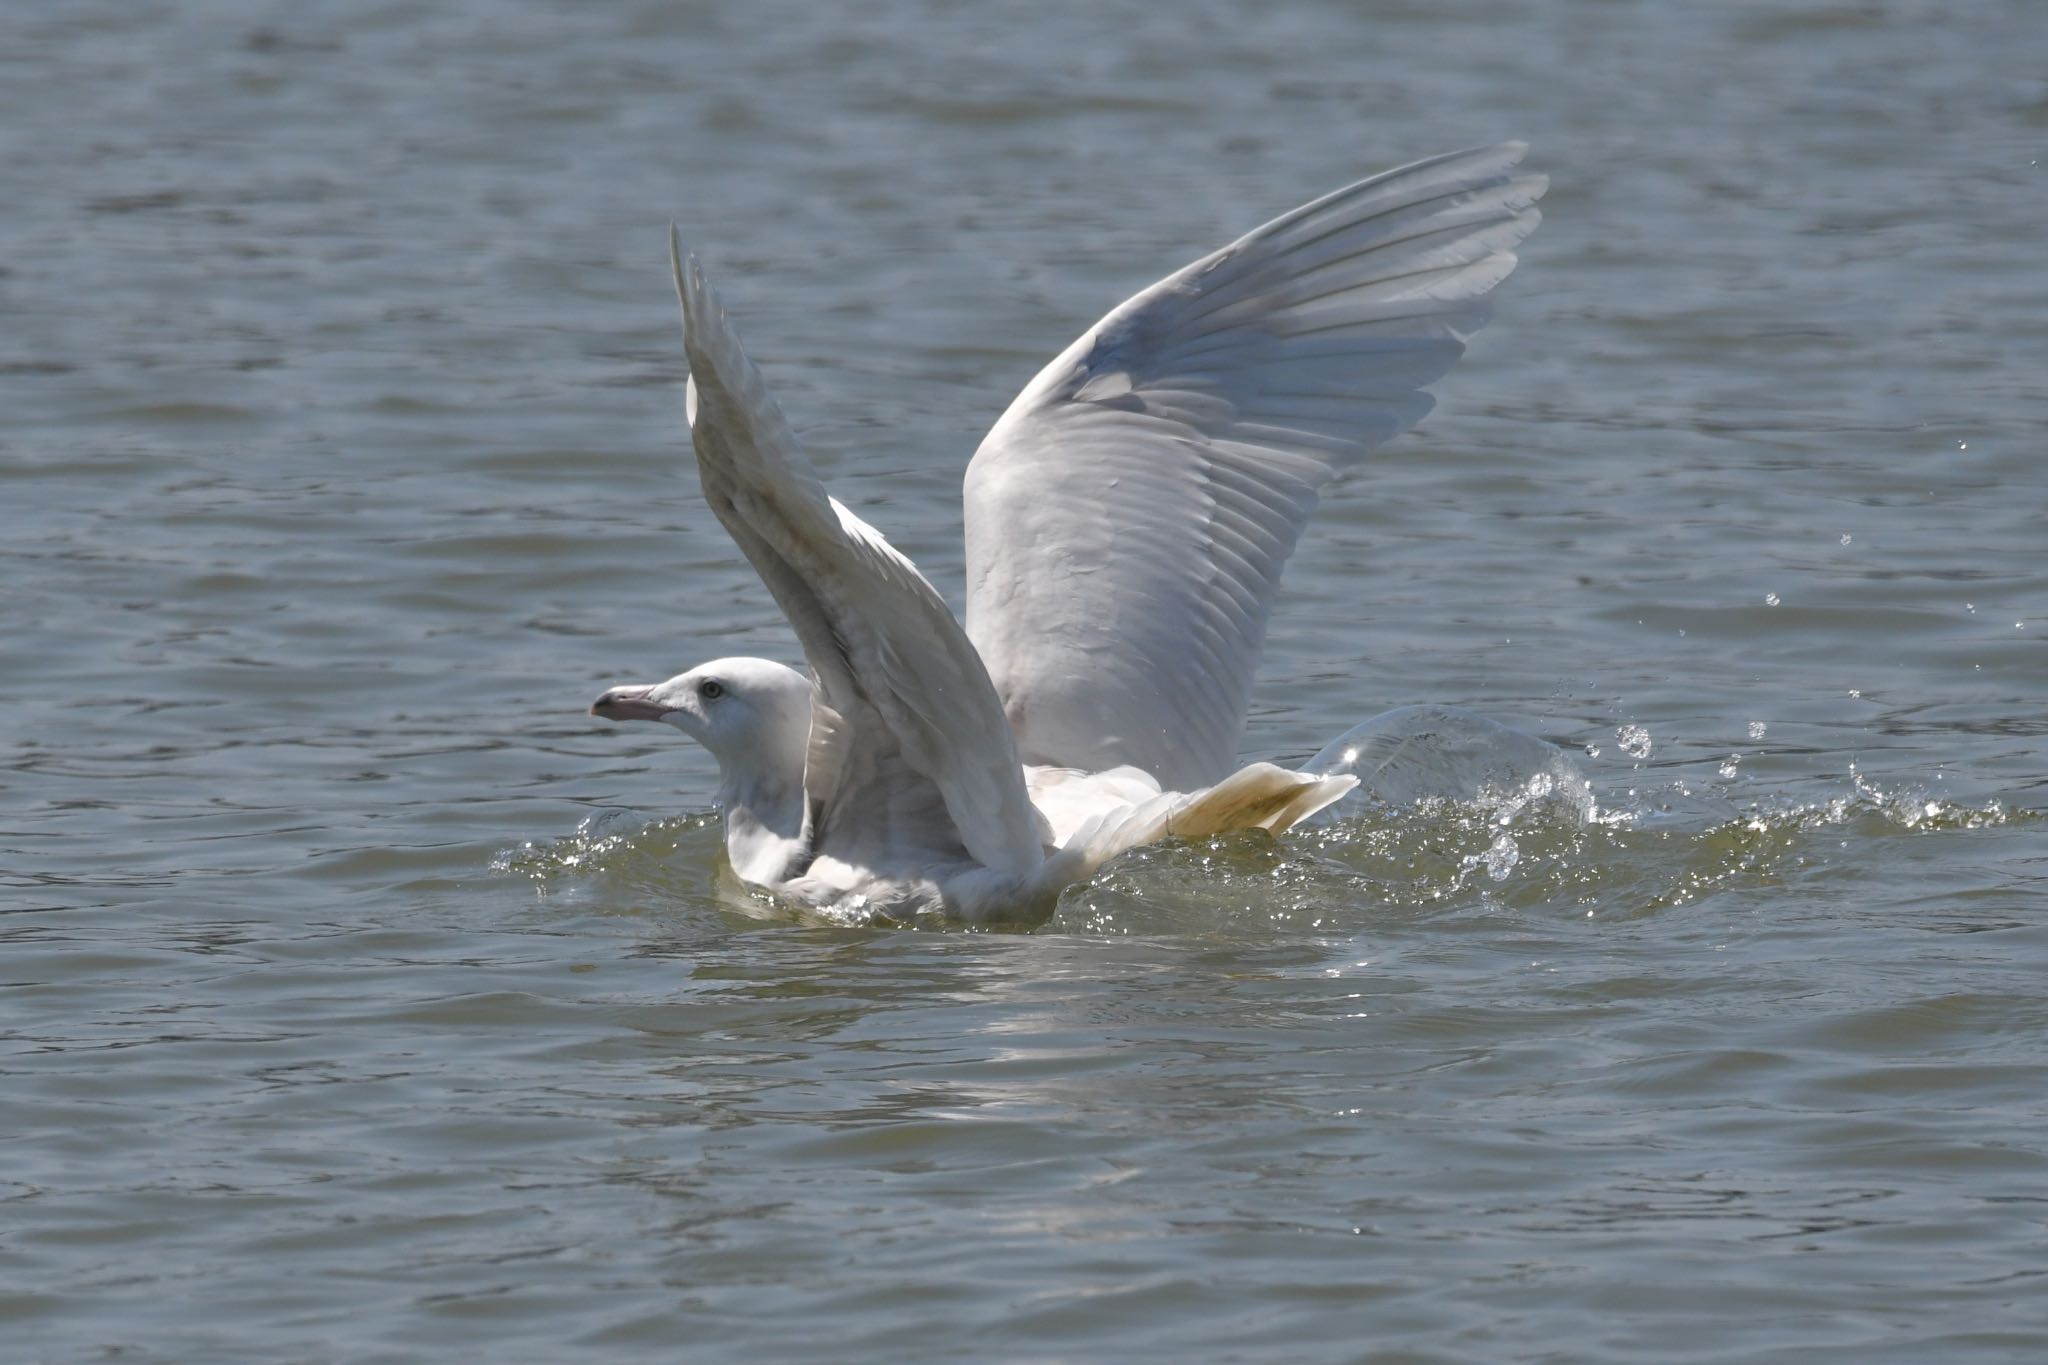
[{"x": 364, "y": 999}]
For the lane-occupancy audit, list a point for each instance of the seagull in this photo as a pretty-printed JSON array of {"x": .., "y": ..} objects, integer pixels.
[{"x": 1127, "y": 520}]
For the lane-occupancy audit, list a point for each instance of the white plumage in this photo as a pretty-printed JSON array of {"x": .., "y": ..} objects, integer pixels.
[
  {"x": 1129, "y": 516},
  {"x": 1127, "y": 522}
]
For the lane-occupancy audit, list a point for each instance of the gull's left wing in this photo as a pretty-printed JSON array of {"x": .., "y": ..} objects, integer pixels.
[{"x": 1129, "y": 517}]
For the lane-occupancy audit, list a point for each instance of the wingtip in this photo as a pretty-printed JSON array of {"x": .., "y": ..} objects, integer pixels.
[
  {"x": 688, "y": 272},
  {"x": 698, "y": 303},
  {"x": 676, "y": 255},
  {"x": 1502, "y": 155},
  {"x": 1494, "y": 158}
]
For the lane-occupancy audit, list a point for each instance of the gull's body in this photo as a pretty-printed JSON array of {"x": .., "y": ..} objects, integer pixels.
[{"x": 1127, "y": 522}]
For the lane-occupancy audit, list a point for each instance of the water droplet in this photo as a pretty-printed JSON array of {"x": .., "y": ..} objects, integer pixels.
[
  {"x": 1770, "y": 599},
  {"x": 1592, "y": 751},
  {"x": 1634, "y": 741},
  {"x": 1756, "y": 729},
  {"x": 1729, "y": 766},
  {"x": 1856, "y": 692},
  {"x": 1970, "y": 607},
  {"x": 1846, "y": 537},
  {"x": 1502, "y": 857}
]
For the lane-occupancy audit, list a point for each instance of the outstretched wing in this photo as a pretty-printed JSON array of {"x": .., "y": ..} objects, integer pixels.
[
  {"x": 881, "y": 643},
  {"x": 1129, "y": 515}
]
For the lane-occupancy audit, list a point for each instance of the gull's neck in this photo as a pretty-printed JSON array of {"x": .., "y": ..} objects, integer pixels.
[{"x": 764, "y": 820}]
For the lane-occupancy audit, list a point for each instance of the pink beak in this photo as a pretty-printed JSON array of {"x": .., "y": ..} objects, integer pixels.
[{"x": 629, "y": 703}]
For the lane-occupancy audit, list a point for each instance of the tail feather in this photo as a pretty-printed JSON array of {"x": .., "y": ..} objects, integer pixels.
[{"x": 1257, "y": 796}]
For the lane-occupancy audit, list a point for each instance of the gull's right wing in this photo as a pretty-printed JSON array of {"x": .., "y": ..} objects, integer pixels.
[{"x": 898, "y": 684}]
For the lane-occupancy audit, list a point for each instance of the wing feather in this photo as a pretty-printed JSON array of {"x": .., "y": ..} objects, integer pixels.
[
  {"x": 881, "y": 643},
  {"x": 1129, "y": 516}
]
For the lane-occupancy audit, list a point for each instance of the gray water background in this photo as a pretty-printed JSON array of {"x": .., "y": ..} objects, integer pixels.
[{"x": 365, "y": 1000}]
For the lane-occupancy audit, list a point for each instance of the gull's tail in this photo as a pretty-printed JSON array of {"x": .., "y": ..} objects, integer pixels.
[{"x": 1256, "y": 796}]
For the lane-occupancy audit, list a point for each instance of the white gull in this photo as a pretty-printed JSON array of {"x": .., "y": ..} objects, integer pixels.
[{"x": 1127, "y": 521}]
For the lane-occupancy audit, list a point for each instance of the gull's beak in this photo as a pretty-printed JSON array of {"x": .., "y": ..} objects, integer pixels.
[{"x": 629, "y": 703}]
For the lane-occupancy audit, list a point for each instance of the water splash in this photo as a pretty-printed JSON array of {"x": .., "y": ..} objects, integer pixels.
[
  {"x": 614, "y": 850},
  {"x": 1500, "y": 857},
  {"x": 1651, "y": 854},
  {"x": 1537, "y": 849},
  {"x": 1634, "y": 741}
]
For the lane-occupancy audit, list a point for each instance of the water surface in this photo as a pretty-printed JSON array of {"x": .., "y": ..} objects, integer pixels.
[{"x": 365, "y": 999}]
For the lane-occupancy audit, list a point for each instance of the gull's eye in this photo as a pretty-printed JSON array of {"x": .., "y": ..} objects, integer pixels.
[{"x": 711, "y": 689}]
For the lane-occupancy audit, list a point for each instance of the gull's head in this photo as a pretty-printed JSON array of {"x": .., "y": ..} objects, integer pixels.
[{"x": 754, "y": 715}]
